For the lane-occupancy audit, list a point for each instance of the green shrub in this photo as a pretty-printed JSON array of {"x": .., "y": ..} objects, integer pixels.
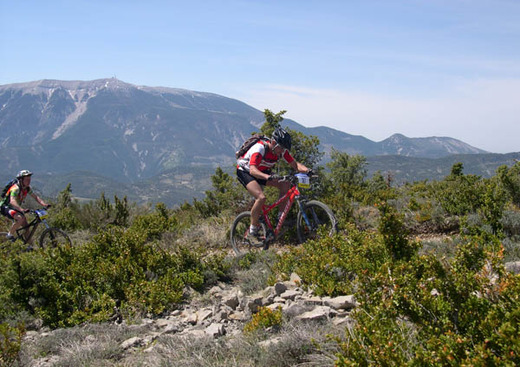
[
  {"x": 63, "y": 213},
  {"x": 459, "y": 195},
  {"x": 263, "y": 319},
  {"x": 510, "y": 180},
  {"x": 395, "y": 235},
  {"x": 345, "y": 183},
  {"x": 226, "y": 194},
  {"x": 428, "y": 312},
  {"x": 10, "y": 343},
  {"x": 494, "y": 203},
  {"x": 118, "y": 271},
  {"x": 153, "y": 225},
  {"x": 332, "y": 265},
  {"x": 101, "y": 213}
]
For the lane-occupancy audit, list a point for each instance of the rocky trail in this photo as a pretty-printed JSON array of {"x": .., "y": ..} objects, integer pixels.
[{"x": 220, "y": 313}]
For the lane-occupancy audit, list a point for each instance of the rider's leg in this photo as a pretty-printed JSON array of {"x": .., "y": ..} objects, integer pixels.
[
  {"x": 255, "y": 189},
  {"x": 283, "y": 187},
  {"x": 19, "y": 221}
]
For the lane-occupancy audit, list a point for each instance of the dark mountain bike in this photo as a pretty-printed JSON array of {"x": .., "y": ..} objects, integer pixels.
[
  {"x": 49, "y": 237},
  {"x": 313, "y": 218}
]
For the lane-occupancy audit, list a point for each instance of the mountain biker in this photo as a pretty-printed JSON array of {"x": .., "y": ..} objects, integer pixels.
[
  {"x": 11, "y": 205},
  {"x": 254, "y": 172}
]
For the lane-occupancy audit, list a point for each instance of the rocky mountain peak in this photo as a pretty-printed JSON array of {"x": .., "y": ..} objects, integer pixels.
[{"x": 125, "y": 132}]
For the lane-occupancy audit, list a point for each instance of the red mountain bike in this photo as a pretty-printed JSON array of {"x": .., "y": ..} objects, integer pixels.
[{"x": 311, "y": 217}]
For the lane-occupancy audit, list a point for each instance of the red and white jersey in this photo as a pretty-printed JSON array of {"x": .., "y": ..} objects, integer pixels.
[{"x": 261, "y": 157}]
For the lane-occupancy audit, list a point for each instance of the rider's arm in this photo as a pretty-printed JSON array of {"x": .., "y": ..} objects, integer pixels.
[
  {"x": 297, "y": 166},
  {"x": 38, "y": 199},
  {"x": 258, "y": 151},
  {"x": 256, "y": 173}
]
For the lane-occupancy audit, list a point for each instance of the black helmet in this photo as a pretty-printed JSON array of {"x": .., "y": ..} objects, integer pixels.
[{"x": 282, "y": 137}]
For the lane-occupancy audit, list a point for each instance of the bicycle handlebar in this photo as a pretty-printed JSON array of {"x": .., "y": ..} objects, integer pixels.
[
  {"x": 292, "y": 178},
  {"x": 33, "y": 211}
]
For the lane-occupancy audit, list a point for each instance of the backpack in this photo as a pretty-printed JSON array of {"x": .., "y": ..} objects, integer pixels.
[
  {"x": 249, "y": 143},
  {"x": 8, "y": 186}
]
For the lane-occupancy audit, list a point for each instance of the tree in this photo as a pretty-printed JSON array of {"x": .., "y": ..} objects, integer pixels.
[
  {"x": 346, "y": 182},
  {"x": 510, "y": 179},
  {"x": 347, "y": 172},
  {"x": 457, "y": 170},
  {"x": 65, "y": 210},
  {"x": 226, "y": 194},
  {"x": 272, "y": 122},
  {"x": 305, "y": 149}
]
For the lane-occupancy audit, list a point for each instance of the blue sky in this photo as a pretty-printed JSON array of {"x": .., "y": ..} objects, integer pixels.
[{"x": 370, "y": 68}]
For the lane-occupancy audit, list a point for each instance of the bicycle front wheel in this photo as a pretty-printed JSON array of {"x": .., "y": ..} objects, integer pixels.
[
  {"x": 314, "y": 216},
  {"x": 54, "y": 237},
  {"x": 239, "y": 230}
]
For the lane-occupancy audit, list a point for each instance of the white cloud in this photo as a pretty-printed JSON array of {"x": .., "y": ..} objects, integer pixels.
[{"x": 484, "y": 113}]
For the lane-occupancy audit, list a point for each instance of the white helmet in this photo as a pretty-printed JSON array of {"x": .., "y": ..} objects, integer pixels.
[{"x": 23, "y": 173}]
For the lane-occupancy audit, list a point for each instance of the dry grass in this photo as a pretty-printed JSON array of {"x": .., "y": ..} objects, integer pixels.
[
  {"x": 439, "y": 245},
  {"x": 81, "y": 236},
  {"x": 295, "y": 344},
  {"x": 211, "y": 233},
  {"x": 89, "y": 345}
]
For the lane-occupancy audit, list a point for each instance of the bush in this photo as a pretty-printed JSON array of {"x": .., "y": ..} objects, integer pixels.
[
  {"x": 226, "y": 194},
  {"x": 510, "y": 180},
  {"x": 415, "y": 309},
  {"x": 10, "y": 343},
  {"x": 395, "y": 235},
  {"x": 94, "y": 215},
  {"x": 424, "y": 312},
  {"x": 332, "y": 265},
  {"x": 263, "y": 319},
  {"x": 153, "y": 225},
  {"x": 116, "y": 272},
  {"x": 459, "y": 195}
]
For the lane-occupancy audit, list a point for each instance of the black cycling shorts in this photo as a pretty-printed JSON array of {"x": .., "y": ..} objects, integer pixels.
[
  {"x": 8, "y": 211},
  {"x": 245, "y": 177}
]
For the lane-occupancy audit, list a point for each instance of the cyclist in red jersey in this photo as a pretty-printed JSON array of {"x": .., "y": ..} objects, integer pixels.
[
  {"x": 11, "y": 205},
  {"x": 254, "y": 172}
]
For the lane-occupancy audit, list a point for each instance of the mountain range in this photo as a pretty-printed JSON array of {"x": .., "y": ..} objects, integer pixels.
[{"x": 154, "y": 143}]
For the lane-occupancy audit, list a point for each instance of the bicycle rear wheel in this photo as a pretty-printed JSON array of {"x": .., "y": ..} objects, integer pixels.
[
  {"x": 319, "y": 216},
  {"x": 54, "y": 237},
  {"x": 239, "y": 231}
]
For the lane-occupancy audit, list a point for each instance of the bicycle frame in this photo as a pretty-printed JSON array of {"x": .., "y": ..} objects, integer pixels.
[
  {"x": 34, "y": 224},
  {"x": 291, "y": 195},
  {"x": 310, "y": 215}
]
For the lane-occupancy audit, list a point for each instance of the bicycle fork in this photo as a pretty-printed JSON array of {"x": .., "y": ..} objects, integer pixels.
[{"x": 301, "y": 205}]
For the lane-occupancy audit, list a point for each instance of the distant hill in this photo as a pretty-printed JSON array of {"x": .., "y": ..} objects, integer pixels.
[
  {"x": 410, "y": 169},
  {"x": 108, "y": 135}
]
